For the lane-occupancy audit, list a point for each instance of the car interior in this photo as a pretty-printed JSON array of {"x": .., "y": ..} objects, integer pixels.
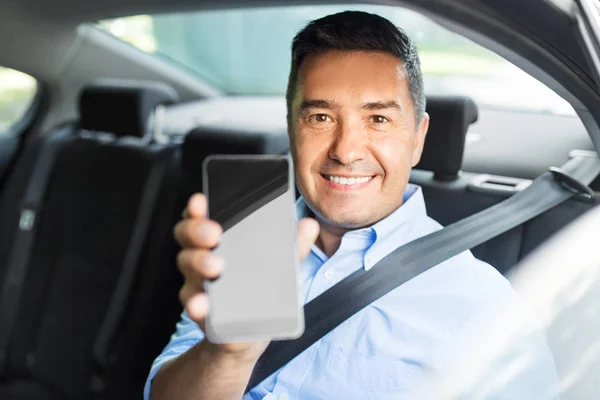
[{"x": 103, "y": 153}]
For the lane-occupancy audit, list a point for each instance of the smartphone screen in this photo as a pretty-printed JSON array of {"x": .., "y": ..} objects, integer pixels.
[{"x": 257, "y": 296}]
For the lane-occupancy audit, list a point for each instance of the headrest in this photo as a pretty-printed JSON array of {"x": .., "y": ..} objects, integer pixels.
[
  {"x": 122, "y": 107},
  {"x": 450, "y": 117},
  {"x": 204, "y": 141}
]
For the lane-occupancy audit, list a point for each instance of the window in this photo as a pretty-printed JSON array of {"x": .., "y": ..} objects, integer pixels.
[
  {"x": 247, "y": 52},
  {"x": 17, "y": 91}
]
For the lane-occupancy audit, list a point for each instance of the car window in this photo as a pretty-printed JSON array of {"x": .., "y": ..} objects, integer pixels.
[
  {"x": 17, "y": 92},
  {"x": 247, "y": 52}
]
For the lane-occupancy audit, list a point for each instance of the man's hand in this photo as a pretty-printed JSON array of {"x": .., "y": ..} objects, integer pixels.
[
  {"x": 207, "y": 370},
  {"x": 197, "y": 235}
]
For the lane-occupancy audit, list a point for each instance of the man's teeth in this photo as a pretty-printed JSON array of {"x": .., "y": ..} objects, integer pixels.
[{"x": 349, "y": 181}]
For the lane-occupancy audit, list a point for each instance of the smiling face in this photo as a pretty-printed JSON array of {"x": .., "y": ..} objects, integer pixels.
[{"x": 354, "y": 136}]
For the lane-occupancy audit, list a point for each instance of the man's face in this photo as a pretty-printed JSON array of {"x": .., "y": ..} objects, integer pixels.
[{"x": 354, "y": 136}]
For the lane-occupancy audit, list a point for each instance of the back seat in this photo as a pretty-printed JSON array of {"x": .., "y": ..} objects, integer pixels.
[
  {"x": 451, "y": 194},
  {"x": 93, "y": 197},
  {"x": 90, "y": 210}
]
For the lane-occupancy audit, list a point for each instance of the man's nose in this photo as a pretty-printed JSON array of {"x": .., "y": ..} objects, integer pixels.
[{"x": 350, "y": 144}]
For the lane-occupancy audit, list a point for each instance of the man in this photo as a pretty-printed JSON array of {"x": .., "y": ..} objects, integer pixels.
[{"x": 357, "y": 124}]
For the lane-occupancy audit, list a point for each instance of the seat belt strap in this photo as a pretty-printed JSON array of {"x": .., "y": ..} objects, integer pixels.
[
  {"x": 131, "y": 261},
  {"x": 30, "y": 210},
  {"x": 361, "y": 288}
]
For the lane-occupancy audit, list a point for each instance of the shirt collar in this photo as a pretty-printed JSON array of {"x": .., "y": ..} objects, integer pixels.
[{"x": 411, "y": 210}]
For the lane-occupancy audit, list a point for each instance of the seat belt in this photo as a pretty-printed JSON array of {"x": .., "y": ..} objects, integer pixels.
[
  {"x": 361, "y": 288},
  {"x": 31, "y": 207},
  {"x": 118, "y": 302}
]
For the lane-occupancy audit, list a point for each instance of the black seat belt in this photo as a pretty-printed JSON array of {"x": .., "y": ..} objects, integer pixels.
[
  {"x": 30, "y": 209},
  {"x": 118, "y": 302},
  {"x": 361, "y": 288}
]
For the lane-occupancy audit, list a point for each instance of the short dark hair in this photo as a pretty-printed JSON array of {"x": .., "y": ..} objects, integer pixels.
[{"x": 357, "y": 31}]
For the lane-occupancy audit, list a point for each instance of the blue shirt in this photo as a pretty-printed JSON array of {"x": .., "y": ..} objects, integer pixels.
[{"x": 413, "y": 331}]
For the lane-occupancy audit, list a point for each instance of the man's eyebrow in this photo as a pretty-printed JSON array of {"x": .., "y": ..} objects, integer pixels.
[
  {"x": 381, "y": 105},
  {"x": 325, "y": 104}
]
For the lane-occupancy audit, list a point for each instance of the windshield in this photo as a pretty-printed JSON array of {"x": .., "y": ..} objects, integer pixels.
[{"x": 247, "y": 52}]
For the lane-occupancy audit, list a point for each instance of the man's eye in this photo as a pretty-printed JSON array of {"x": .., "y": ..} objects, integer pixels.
[
  {"x": 320, "y": 118},
  {"x": 379, "y": 119}
]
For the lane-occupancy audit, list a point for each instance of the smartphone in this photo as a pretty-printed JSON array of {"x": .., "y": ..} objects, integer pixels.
[{"x": 257, "y": 297}]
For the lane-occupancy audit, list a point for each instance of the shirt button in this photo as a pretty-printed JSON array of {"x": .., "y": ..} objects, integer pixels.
[
  {"x": 328, "y": 274},
  {"x": 283, "y": 396}
]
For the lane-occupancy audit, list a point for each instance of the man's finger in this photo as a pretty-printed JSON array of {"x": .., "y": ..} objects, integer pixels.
[
  {"x": 201, "y": 233},
  {"x": 197, "y": 307},
  {"x": 197, "y": 206},
  {"x": 197, "y": 265},
  {"x": 308, "y": 231}
]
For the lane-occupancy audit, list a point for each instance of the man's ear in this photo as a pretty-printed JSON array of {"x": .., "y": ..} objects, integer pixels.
[{"x": 420, "y": 135}]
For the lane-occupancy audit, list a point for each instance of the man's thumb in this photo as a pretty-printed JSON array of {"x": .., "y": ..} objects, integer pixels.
[{"x": 308, "y": 231}]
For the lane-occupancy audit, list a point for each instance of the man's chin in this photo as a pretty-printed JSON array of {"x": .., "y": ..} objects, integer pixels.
[
  {"x": 348, "y": 219},
  {"x": 343, "y": 215}
]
